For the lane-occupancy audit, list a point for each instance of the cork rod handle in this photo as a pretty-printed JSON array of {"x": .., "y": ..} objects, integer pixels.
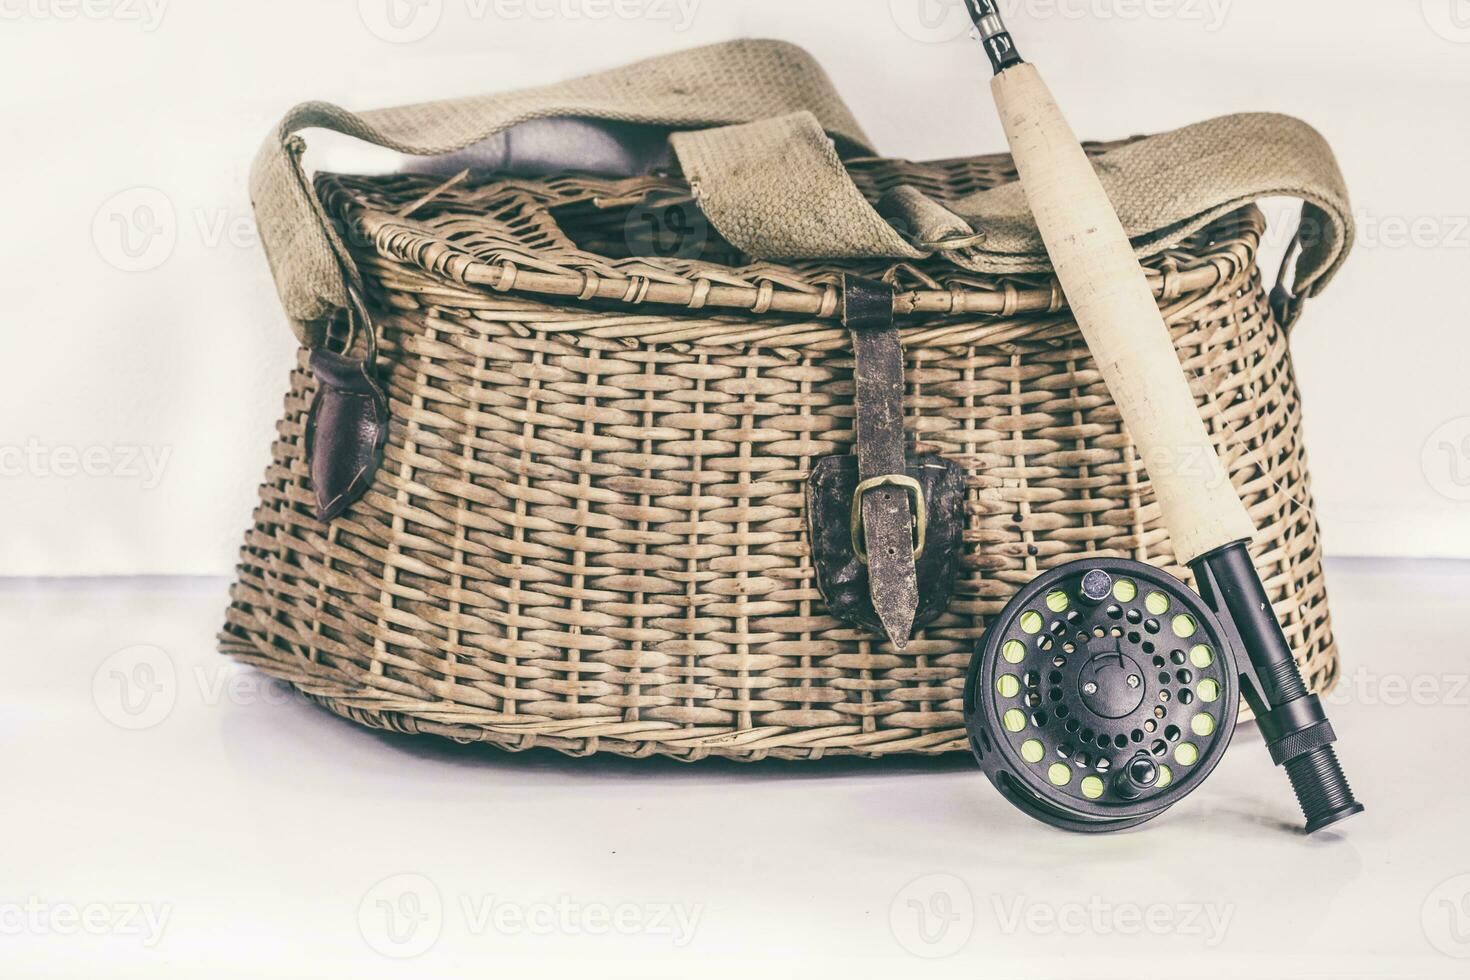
[{"x": 1111, "y": 300}]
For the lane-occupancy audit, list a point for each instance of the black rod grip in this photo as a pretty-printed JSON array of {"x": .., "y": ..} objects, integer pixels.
[
  {"x": 1321, "y": 788},
  {"x": 1292, "y": 720}
]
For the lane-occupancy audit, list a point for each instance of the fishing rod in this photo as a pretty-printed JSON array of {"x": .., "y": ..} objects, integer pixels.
[{"x": 1107, "y": 689}]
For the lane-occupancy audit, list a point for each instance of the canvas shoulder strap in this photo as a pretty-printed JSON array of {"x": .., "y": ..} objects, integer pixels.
[
  {"x": 704, "y": 87},
  {"x": 761, "y": 134}
]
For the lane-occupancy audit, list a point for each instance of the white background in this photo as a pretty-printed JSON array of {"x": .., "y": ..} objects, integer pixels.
[{"x": 149, "y": 111}]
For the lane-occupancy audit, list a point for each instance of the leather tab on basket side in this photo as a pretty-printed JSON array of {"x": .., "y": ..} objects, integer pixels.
[{"x": 346, "y": 429}]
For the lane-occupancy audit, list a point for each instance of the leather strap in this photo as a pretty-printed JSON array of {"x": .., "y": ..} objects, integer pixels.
[{"x": 888, "y": 511}]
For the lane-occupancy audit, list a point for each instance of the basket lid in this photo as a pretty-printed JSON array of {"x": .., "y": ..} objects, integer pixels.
[{"x": 619, "y": 242}]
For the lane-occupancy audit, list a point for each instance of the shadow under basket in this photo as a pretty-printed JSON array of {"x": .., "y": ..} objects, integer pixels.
[{"x": 588, "y": 532}]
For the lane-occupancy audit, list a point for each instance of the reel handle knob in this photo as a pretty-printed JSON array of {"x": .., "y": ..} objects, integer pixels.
[{"x": 1137, "y": 777}]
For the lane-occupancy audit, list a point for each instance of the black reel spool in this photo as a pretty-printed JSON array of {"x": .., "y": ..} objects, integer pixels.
[{"x": 1104, "y": 693}]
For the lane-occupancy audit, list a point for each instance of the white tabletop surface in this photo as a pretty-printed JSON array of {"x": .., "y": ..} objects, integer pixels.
[{"x": 167, "y": 813}]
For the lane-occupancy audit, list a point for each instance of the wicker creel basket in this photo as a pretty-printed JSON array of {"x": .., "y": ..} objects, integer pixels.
[{"x": 588, "y": 529}]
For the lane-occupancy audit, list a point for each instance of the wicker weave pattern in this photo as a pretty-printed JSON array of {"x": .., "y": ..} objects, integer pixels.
[{"x": 588, "y": 532}]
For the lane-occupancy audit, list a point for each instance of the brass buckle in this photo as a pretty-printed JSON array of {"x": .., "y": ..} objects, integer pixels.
[{"x": 921, "y": 516}]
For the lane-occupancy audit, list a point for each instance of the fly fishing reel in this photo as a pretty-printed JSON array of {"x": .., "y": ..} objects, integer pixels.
[
  {"x": 1108, "y": 690},
  {"x": 1104, "y": 693}
]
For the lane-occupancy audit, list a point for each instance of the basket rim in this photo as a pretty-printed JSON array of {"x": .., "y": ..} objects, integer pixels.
[{"x": 1216, "y": 255}]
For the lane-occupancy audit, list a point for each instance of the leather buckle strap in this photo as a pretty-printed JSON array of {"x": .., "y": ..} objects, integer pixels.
[
  {"x": 921, "y": 517},
  {"x": 885, "y": 515},
  {"x": 886, "y": 525}
]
